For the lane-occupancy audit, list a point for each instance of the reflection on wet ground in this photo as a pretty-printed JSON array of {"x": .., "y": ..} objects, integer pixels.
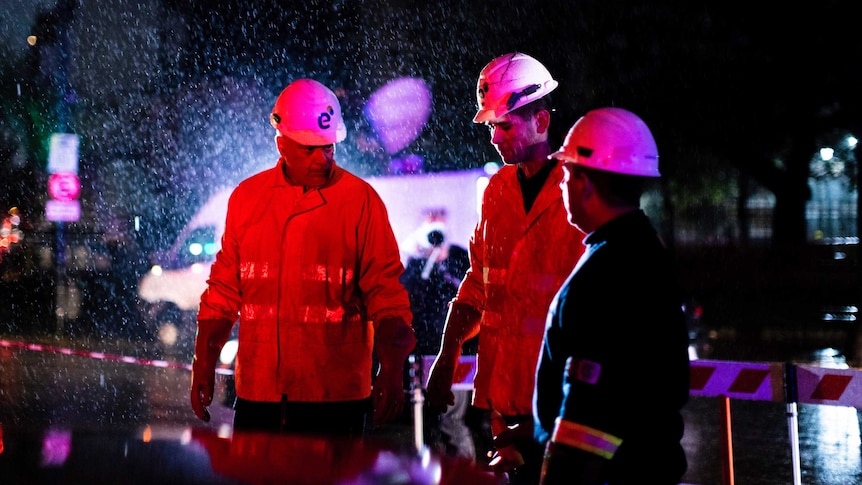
[{"x": 69, "y": 418}]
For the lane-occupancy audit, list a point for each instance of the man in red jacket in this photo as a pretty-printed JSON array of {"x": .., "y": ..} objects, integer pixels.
[
  {"x": 521, "y": 251},
  {"x": 309, "y": 267}
]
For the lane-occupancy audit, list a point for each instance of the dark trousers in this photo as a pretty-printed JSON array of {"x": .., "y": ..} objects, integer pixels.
[{"x": 343, "y": 418}]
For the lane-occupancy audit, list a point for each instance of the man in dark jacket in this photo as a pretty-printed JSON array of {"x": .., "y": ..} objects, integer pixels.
[{"x": 610, "y": 422}]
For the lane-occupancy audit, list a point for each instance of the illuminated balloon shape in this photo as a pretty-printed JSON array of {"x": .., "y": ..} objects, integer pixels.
[{"x": 398, "y": 111}]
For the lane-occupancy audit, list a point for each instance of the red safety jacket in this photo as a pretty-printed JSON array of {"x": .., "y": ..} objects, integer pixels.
[
  {"x": 307, "y": 273},
  {"x": 518, "y": 262}
]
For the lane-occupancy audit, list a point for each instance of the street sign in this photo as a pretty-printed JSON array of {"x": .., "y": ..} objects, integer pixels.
[
  {"x": 65, "y": 211},
  {"x": 64, "y": 186},
  {"x": 63, "y": 154}
]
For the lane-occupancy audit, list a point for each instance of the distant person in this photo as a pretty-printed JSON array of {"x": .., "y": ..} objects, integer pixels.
[
  {"x": 602, "y": 418},
  {"x": 310, "y": 266},
  {"x": 416, "y": 243},
  {"x": 521, "y": 251},
  {"x": 432, "y": 276}
]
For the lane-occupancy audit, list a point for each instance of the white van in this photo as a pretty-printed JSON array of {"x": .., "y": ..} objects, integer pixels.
[{"x": 170, "y": 291}]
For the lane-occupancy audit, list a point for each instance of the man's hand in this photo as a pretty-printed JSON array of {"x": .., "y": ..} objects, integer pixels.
[
  {"x": 439, "y": 394},
  {"x": 508, "y": 441},
  {"x": 393, "y": 341},
  {"x": 203, "y": 384},
  {"x": 211, "y": 337},
  {"x": 462, "y": 324},
  {"x": 388, "y": 396}
]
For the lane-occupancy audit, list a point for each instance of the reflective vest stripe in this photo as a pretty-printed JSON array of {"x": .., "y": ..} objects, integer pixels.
[{"x": 585, "y": 438}]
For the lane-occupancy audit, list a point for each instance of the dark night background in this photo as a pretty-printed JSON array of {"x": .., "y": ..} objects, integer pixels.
[{"x": 171, "y": 100}]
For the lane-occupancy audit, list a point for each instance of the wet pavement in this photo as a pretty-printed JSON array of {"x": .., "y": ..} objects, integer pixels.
[{"x": 77, "y": 417}]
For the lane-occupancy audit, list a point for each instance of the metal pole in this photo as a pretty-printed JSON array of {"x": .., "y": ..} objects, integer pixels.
[
  {"x": 726, "y": 442},
  {"x": 791, "y": 397},
  {"x": 418, "y": 401},
  {"x": 61, "y": 297}
]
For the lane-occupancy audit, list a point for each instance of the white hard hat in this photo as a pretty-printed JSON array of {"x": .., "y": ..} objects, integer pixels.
[
  {"x": 308, "y": 113},
  {"x": 613, "y": 140},
  {"x": 509, "y": 82}
]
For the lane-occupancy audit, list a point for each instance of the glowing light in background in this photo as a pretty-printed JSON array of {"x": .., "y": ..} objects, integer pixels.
[
  {"x": 56, "y": 446},
  {"x": 398, "y": 111}
]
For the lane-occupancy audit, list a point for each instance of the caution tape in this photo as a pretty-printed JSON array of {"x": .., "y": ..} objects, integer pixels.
[
  {"x": 101, "y": 355},
  {"x": 760, "y": 381}
]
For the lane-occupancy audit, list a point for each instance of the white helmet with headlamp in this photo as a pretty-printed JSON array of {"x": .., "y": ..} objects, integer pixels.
[{"x": 509, "y": 82}]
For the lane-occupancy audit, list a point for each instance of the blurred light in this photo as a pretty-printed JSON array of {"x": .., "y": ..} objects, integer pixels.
[
  {"x": 31, "y": 39},
  {"x": 210, "y": 248},
  {"x": 197, "y": 268},
  {"x": 196, "y": 248},
  {"x": 56, "y": 446},
  {"x": 137, "y": 223},
  {"x": 228, "y": 352},
  {"x": 410, "y": 163},
  {"x": 826, "y": 153},
  {"x": 491, "y": 168},
  {"x": 481, "y": 183},
  {"x": 148, "y": 434},
  {"x": 852, "y": 141},
  {"x": 168, "y": 334},
  {"x": 398, "y": 111},
  {"x": 225, "y": 431},
  {"x": 156, "y": 270}
]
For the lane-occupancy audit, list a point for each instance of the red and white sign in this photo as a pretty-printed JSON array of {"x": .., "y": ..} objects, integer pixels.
[
  {"x": 64, "y": 186},
  {"x": 821, "y": 385},
  {"x": 758, "y": 381}
]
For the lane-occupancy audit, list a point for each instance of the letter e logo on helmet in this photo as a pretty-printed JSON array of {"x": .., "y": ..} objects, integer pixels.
[{"x": 325, "y": 118}]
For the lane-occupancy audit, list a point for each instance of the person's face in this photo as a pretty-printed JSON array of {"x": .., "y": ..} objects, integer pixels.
[
  {"x": 515, "y": 137},
  {"x": 309, "y": 166},
  {"x": 572, "y": 187}
]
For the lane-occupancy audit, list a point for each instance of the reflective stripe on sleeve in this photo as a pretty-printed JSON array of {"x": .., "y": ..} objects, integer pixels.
[{"x": 585, "y": 438}]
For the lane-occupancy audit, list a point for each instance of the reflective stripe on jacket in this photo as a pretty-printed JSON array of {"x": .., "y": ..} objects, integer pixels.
[
  {"x": 307, "y": 272},
  {"x": 518, "y": 262}
]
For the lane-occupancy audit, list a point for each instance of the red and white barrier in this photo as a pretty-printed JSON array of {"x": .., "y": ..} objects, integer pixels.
[
  {"x": 820, "y": 385},
  {"x": 759, "y": 381}
]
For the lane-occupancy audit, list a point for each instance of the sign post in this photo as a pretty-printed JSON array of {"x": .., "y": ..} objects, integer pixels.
[{"x": 64, "y": 187}]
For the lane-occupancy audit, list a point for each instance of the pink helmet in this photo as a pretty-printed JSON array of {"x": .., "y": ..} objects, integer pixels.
[
  {"x": 509, "y": 82},
  {"x": 613, "y": 140},
  {"x": 308, "y": 113}
]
